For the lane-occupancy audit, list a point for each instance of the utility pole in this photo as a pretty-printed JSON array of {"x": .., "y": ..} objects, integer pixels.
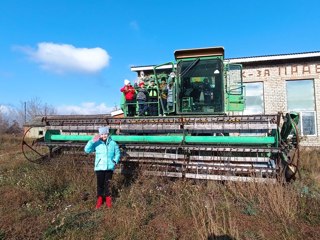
[{"x": 25, "y": 112}]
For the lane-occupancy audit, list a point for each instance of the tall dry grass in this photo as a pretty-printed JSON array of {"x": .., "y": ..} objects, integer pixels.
[
  {"x": 310, "y": 165},
  {"x": 56, "y": 200}
]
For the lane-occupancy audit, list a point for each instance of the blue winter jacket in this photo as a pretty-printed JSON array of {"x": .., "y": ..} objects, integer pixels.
[{"x": 107, "y": 154}]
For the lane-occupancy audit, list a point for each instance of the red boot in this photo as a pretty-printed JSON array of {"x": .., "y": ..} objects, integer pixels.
[
  {"x": 99, "y": 202},
  {"x": 108, "y": 202}
]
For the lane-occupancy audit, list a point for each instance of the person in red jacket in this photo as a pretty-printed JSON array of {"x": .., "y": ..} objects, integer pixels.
[{"x": 130, "y": 96}]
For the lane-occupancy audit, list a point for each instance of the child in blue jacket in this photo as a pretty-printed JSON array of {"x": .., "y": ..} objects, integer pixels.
[{"x": 107, "y": 156}]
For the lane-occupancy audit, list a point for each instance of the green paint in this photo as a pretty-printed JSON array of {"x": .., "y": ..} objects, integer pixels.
[{"x": 176, "y": 139}]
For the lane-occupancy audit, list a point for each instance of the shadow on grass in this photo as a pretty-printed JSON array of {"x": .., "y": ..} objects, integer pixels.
[{"x": 222, "y": 237}]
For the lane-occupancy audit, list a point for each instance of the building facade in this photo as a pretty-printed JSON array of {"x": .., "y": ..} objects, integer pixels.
[{"x": 284, "y": 83}]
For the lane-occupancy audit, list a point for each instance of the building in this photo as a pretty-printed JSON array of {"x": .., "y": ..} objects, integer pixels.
[
  {"x": 287, "y": 82},
  {"x": 282, "y": 83}
]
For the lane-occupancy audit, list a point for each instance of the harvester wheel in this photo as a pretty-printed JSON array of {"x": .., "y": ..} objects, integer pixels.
[
  {"x": 290, "y": 172},
  {"x": 33, "y": 149}
]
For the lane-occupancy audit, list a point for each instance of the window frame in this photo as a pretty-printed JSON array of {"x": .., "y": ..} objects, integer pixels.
[
  {"x": 302, "y": 111},
  {"x": 245, "y": 84},
  {"x": 301, "y": 123}
]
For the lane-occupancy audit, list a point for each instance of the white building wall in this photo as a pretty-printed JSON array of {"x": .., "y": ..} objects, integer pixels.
[{"x": 274, "y": 79}]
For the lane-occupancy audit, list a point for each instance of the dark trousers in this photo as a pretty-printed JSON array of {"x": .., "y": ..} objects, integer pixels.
[
  {"x": 164, "y": 105},
  {"x": 153, "y": 107},
  {"x": 103, "y": 183},
  {"x": 207, "y": 99},
  {"x": 143, "y": 107},
  {"x": 131, "y": 107}
]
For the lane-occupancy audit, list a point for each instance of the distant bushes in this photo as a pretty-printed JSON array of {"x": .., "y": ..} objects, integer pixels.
[{"x": 9, "y": 128}]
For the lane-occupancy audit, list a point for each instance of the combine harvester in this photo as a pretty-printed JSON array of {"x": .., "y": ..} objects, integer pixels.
[{"x": 199, "y": 137}]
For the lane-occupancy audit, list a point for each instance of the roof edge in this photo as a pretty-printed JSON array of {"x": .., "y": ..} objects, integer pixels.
[{"x": 274, "y": 57}]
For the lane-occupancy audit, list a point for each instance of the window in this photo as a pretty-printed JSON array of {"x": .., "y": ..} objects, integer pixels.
[
  {"x": 307, "y": 124},
  {"x": 300, "y": 98},
  {"x": 201, "y": 86},
  {"x": 254, "y": 98}
]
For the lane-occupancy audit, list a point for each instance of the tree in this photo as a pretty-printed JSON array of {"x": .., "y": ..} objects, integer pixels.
[
  {"x": 3, "y": 123},
  {"x": 32, "y": 108},
  {"x": 12, "y": 119},
  {"x": 14, "y": 128}
]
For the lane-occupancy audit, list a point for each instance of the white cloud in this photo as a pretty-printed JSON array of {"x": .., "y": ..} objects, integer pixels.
[
  {"x": 62, "y": 58},
  {"x": 85, "y": 109}
]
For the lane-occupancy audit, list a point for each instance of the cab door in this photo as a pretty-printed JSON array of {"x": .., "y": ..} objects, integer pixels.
[{"x": 234, "y": 88}]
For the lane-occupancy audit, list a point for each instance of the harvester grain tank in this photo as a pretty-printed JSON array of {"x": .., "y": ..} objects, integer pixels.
[{"x": 202, "y": 133}]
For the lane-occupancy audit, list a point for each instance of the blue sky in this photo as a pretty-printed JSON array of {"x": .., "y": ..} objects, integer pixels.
[{"x": 74, "y": 54}]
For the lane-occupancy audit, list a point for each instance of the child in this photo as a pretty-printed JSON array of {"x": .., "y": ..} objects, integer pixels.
[
  {"x": 170, "y": 96},
  {"x": 163, "y": 96},
  {"x": 107, "y": 155},
  {"x": 142, "y": 98},
  {"x": 153, "y": 98},
  {"x": 129, "y": 94}
]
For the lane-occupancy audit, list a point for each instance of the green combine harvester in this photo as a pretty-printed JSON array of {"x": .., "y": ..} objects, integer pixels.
[{"x": 202, "y": 133}]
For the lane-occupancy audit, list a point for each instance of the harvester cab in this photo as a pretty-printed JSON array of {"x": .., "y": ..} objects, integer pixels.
[
  {"x": 202, "y": 133},
  {"x": 200, "y": 81},
  {"x": 207, "y": 85}
]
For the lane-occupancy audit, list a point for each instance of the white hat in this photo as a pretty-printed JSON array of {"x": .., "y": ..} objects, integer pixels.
[
  {"x": 126, "y": 82},
  {"x": 103, "y": 130},
  {"x": 172, "y": 75}
]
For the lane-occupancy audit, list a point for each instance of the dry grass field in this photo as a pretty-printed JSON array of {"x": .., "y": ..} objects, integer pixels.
[{"x": 56, "y": 200}]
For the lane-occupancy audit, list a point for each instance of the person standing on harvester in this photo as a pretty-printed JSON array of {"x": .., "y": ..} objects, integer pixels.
[
  {"x": 130, "y": 96},
  {"x": 107, "y": 156}
]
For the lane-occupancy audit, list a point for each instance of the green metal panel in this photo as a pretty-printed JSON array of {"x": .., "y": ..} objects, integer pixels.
[
  {"x": 121, "y": 138},
  {"x": 147, "y": 139},
  {"x": 291, "y": 120},
  {"x": 123, "y": 105},
  {"x": 235, "y": 103},
  {"x": 80, "y": 138},
  {"x": 50, "y": 133},
  {"x": 176, "y": 139},
  {"x": 238, "y": 140}
]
